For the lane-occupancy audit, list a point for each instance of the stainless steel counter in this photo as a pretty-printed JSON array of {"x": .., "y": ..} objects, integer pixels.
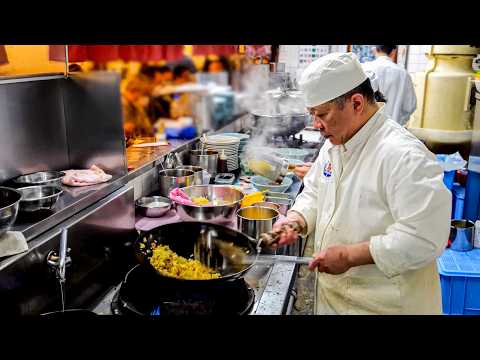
[{"x": 75, "y": 199}]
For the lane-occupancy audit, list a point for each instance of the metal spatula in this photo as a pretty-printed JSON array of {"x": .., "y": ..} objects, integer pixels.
[
  {"x": 271, "y": 259},
  {"x": 237, "y": 255}
]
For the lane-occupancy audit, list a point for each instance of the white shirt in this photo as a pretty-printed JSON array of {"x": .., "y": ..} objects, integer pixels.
[
  {"x": 385, "y": 187},
  {"x": 396, "y": 85}
]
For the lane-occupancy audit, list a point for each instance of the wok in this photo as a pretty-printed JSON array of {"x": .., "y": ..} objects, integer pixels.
[{"x": 203, "y": 240}]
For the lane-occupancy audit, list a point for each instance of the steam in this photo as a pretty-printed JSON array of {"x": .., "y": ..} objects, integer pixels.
[{"x": 262, "y": 95}]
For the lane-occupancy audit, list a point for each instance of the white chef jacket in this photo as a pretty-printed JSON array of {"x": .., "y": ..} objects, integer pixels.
[
  {"x": 396, "y": 85},
  {"x": 384, "y": 186}
]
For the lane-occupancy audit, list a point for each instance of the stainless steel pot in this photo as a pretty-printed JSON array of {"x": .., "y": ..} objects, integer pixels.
[
  {"x": 197, "y": 170},
  {"x": 207, "y": 159},
  {"x": 267, "y": 204},
  {"x": 254, "y": 220},
  {"x": 279, "y": 125},
  {"x": 39, "y": 197},
  {"x": 153, "y": 206},
  {"x": 173, "y": 178},
  {"x": 212, "y": 213},
  {"x": 461, "y": 235},
  {"x": 9, "y": 203},
  {"x": 40, "y": 178}
]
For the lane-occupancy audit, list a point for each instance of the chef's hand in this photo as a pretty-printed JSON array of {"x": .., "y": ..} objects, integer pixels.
[
  {"x": 287, "y": 234},
  {"x": 338, "y": 259},
  {"x": 333, "y": 260},
  {"x": 302, "y": 170},
  {"x": 284, "y": 231}
]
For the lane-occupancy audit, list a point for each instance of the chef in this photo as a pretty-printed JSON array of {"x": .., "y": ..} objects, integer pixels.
[
  {"x": 374, "y": 198},
  {"x": 394, "y": 83}
]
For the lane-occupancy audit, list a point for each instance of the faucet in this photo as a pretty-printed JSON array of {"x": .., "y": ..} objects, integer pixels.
[{"x": 61, "y": 260}]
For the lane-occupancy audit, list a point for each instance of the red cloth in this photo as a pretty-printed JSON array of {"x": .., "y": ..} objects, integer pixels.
[
  {"x": 103, "y": 53},
  {"x": 173, "y": 52},
  {"x": 220, "y": 50},
  {"x": 258, "y": 50},
  {"x": 56, "y": 52}
]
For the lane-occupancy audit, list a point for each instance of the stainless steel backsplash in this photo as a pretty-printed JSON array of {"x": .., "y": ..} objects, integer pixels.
[{"x": 61, "y": 123}]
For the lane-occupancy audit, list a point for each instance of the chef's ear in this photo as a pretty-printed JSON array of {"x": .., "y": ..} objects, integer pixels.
[{"x": 358, "y": 102}]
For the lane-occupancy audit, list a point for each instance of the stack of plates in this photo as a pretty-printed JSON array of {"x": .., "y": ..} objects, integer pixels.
[
  {"x": 243, "y": 139},
  {"x": 228, "y": 144}
]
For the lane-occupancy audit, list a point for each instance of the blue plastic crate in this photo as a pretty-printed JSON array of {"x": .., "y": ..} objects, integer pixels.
[{"x": 460, "y": 282}]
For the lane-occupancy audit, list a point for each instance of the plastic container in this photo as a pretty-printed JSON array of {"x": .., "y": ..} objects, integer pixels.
[
  {"x": 448, "y": 178},
  {"x": 186, "y": 133},
  {"x": 458, "y": 201},
  {"x": 460, "y": 282}
]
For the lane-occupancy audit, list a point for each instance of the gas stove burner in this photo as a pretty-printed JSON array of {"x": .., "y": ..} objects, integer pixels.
[{"x": 143, "y": 295}]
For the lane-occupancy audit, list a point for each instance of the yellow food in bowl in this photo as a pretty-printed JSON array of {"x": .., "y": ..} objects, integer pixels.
[
  {"x": 200, "y": 201},
  {"x": 168, "y": 263}
]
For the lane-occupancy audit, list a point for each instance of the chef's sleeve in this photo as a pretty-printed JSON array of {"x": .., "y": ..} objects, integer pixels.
[
  {"x": 420, "y": 205},
  {"x": 306, "y": 203}
]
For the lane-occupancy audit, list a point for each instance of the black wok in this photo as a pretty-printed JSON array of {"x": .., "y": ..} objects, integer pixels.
[{"x": 197, "y": 240}]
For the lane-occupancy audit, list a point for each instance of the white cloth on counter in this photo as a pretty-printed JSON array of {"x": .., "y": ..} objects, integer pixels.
[
  {"x": 12, "y": 243},
  {"x": 91, "y": 176},
  {"x": 391, "y": 193},
  {"x": 396, "y": 85}
]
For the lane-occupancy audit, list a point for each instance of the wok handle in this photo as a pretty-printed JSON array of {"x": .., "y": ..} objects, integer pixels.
[{"x": 271, "y": 259}]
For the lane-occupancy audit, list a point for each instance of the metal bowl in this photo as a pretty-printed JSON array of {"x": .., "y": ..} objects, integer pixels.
[
  {"x": 262, "y": 183},
  {"x": 39, "y": 197},
  {"x": 40, "y": 178},
  {"x": 212, "y": 213},
  {"x": 173, "y": 178},
  {"x": 153, "y": 206},
  {"x": 9, "y": 202}
]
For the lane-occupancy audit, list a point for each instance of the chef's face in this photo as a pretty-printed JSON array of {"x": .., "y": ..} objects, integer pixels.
[{"x": 338, "y": 123}]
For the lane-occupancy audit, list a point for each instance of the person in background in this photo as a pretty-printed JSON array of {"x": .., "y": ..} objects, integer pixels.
[
  {"x": 217, "y": 65},
  {"x": 159, "y": 106},
  {"x": 374, "y": 198},
  {"x": 162, "y": 75},
  {"x": 182, "y": 75},
  {"x": 394, "y": 83},
  {"x": 136, "y": 121}
]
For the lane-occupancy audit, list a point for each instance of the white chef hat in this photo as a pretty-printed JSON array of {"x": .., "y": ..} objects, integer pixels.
[
  {"x": 373, "y": 80},
  {"x": 329, "y": 77}
]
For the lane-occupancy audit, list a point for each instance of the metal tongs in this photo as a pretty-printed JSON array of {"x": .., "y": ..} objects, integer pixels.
[
  {"x": 237, "y": 255},
  {"x": 272, "y": 237}
]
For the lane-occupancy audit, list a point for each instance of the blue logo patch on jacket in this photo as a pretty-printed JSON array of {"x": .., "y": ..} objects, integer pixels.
[{"x": 327, "y": 169}]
